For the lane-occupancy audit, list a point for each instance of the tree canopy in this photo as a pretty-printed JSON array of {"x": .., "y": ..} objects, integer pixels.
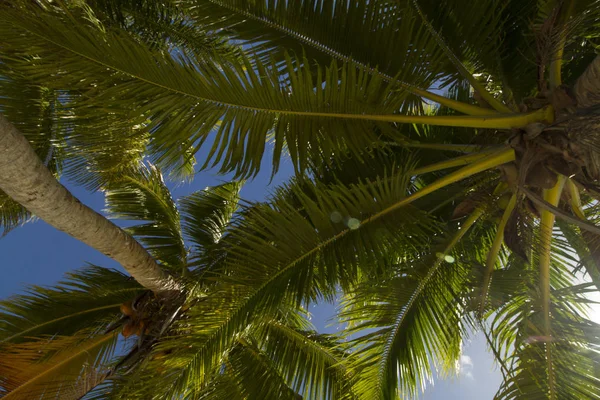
[{"x": 446, "y": 180}]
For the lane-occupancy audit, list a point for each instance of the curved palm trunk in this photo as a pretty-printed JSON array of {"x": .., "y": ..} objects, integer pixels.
[{"x": 26, "y": 179}]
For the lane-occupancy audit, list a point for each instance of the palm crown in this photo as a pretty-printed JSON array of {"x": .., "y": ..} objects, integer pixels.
[{"x": 422, "y": 244}]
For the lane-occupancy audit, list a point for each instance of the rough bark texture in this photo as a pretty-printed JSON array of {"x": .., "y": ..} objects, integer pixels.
[
  {"x": 587, "y": 87},
  {"x": 26, "y": 179}
]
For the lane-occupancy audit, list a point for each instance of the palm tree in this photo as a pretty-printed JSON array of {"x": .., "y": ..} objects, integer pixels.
[{"x": 420, "y": 250}]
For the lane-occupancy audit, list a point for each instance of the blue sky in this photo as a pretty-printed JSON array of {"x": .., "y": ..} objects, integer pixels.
[{"x": 39, "y": 254}]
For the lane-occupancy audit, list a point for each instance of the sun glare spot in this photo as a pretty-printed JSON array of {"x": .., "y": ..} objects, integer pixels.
[{"x": 353, "y": 223}]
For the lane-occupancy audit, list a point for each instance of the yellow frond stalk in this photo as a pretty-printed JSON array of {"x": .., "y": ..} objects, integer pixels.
[{"x": 552, "y": 196}]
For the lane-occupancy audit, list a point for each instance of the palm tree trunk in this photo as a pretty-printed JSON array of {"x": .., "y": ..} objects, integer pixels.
[
  {"x": 587, "y": 87},
  {"x": 26, "y": 179}
]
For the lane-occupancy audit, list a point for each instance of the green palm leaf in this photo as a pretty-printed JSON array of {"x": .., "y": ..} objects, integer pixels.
[
  {"x": 205, "y": 215},
  {"x": 186, "y": 101},
  {"x": 414, "y": 319},
  {"x": 574, "y": 342},
  {"x": 255, "y": 374}
]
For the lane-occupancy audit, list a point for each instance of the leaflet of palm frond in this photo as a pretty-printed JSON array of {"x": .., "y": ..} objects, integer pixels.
[
  {"x": 521, "y": 323},
  {"x": 585, "y": 258},
  {"x": 12, "y": 214},
  {"x": 52, "y": 366},
  {"x": 90, "y": 380},
  {"x": 517, "y": 234},
  {"x": 222, "y": 386},
  {"x": 141, "y": 195},
  {"x": 88, "y": 298}
]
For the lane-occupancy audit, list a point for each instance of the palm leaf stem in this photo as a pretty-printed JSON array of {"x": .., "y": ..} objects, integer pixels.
[
  {"x": 552, "y": 196},
  {"x": 575, "y": 200},
  {"x": 556, "y": 64},
  {"x": 493, "y": 121},
  {"x": 454, "y": 162},
  {"x": 501, "y": 157},
  {"x": 459, "y": 148},
  {"x": 492, "y": 256},
  {"x": 456, "y": 105},
  {"x": 580, "y": 221}
]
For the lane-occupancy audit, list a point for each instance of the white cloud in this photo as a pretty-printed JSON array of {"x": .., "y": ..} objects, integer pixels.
[{"x": 465, "y": 366}]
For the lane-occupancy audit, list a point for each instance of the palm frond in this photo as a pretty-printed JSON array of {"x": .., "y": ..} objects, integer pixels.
[
  {"x": 348, "y": 31},
  {"x": 362, "y": 34},
  {"x": 88, "y": 298},
  {"x": 255, "y": 374},
  {"x": 48, "y": 368},
  {"x": 574, "y": 343},
  {"x": 142, "y": 195},
  {"x": 181, "y": 103},
  {"x": 12, "y": 214},
  {"x": 206, "y": 214},
  {"x": 413, "y": 318}
]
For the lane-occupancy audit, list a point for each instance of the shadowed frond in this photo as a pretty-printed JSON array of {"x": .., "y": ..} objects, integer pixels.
[
  {"x": 89, "y": 298},
  {"x": 364, "y": 34},
  {"x": 49, "y": 367},
  {"x": 361, "y": 33},
  {"x": 182, "y": 103},
  {"x": 255, "y": 374}
]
